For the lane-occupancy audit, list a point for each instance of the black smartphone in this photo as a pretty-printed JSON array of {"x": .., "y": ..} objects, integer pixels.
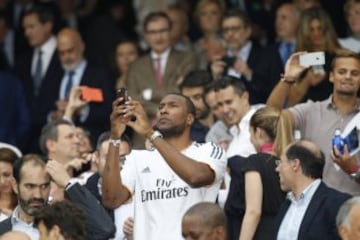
[
  {"x": 122, "y": 93},
  {"x": 229, "y": 60}
]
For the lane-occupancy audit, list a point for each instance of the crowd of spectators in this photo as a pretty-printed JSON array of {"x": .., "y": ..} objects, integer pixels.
[{"x": 222, "y": 134}]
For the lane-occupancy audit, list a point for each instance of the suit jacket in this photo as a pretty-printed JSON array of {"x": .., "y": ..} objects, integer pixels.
[
  {"x": 98, "y": 223},
  {"x": 41, "y": 104},
  {"x": 266, "y": 66},
  {"x": 319, "y": 219},
  {"x": 141, "y": 75},
  {"x": 15, "y": 119}
]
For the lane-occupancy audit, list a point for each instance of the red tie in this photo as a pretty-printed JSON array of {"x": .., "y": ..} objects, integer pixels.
[{"x": 159, "y": 77}]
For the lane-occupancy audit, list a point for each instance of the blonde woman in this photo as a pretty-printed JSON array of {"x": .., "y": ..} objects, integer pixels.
[
  {"x": 255, "y": 195},
  {"x": 315, "y": 33}
]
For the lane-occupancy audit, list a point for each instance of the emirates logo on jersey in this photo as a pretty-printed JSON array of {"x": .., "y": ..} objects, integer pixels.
[{"x": 164, "y": 190}]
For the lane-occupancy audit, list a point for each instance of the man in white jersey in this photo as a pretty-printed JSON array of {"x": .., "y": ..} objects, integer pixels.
[{"x": 164, "y": 181}]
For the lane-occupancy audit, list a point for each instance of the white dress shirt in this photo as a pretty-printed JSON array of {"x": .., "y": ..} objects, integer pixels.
[
  {"x": 20, "y": 225},
  {"x": 48, "y": 49}
]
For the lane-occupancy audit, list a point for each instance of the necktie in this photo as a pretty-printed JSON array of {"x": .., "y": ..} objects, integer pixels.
[
  {"x": 38, "y": 72},
  {"x": 69, "y": 84},
  {"x": 159, "y": 77},
  {"x": 288, "y": 51}
]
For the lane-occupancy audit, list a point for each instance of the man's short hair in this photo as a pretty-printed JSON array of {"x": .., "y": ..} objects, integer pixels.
[
  {"x": 342, "y": 217},
  {"x": 227, "y": 81},
  {"x": 235, "y": 13},
  {"x": 190, "y": 108},
  {"x": 312, "y": 161},
  {"x": 68, "y": 217},
  {"x": 344, "y": 53},
  {"x": 44, "y": 13},
  {"x": 50, "y": 132},
  {"x": 37, "y": 160},
  {"x": 197, "y": 78},
  {"x": 211, "y": 214},
  {"x": 154, "y": 16}
]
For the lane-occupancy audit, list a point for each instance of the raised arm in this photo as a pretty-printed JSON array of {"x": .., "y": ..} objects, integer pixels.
[
  {"x": 195, "y": 173},
  {"x": 286, "y": 91},
  {"x": 114, "y": 193}
]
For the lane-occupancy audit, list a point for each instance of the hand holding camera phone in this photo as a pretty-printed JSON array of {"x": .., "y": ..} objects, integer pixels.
[
  {"x": 122, "y": 93},
  {"x": 312, "y": 59}
]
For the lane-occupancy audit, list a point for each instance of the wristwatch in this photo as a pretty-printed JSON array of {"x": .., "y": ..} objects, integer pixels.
[{"x": 155, "y": 135}]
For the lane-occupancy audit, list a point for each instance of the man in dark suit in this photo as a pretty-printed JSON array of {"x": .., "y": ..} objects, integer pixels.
[
  {"x": 311, "y": 207},
  {"x": 259, "y": 68},
  {"x": 154, "y": 75},
  {"x": 15, "y": 118},
  {"x": 32, "y": 186},
  {"x": 40, "y": 69},
  {"x": 78, "y": 72}
]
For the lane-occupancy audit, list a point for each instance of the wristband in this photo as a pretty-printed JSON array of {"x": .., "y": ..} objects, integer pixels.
[
  {"x": 115, "y": 142},
  {"x": 155, "y": 135}
]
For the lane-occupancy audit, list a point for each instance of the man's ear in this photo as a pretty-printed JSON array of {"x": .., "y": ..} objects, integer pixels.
[
  {"x": 50, "y": 145},
  {"x": 14, "y": 186},
  {"x": 331, "y": 77},
  {"x": 245, "y": 96},
  {"x": 190, "y": 119},
  {"x": 343, "y": 232}
]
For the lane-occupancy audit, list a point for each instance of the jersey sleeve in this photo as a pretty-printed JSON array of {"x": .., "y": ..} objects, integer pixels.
[
  {"x": 128, "y": 173},
  {"x": 215, "y": 157}
]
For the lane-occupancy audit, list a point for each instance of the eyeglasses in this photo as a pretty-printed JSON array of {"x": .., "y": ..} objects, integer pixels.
[
  {"x": 160, "y": 31},
  {"x": 231, "y": 29}
]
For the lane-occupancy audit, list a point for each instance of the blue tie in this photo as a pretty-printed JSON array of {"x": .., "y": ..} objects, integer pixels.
[
  {"x": 38, "y": 73},
  {"x": 288, "y": 51},
  {"x": 69, "y": 84}
]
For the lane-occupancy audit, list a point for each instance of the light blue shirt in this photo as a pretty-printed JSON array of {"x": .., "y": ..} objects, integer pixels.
[
  {"x": 290, "y": 225},
  {"x": 20, "y": 225},
  {"x": 78, "y": 73}
]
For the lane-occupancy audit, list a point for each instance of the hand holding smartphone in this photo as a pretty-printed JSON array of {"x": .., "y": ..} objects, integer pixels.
[
  {"x": 312, "y": 59},
  {"x": 122, "y": 93}
]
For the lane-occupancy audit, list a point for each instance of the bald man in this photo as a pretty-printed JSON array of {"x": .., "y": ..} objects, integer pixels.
[
  {"x": 78, "y": 72},
  {"x": 15, "y": 235},
  {"x": 204, "y": 221}
]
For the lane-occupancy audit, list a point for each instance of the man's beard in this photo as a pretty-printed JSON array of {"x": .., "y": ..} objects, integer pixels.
[
  {"x": 29, "y": 210},
  {"x": 173, "y": 131},
  {"x": 204, "y": 114}
]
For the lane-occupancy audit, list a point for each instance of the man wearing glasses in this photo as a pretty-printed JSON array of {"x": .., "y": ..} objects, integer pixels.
[
  {"x": 258, "y": 67},
  {"x": 159, "y": 72},
  {"x": 309, "y": 212}
]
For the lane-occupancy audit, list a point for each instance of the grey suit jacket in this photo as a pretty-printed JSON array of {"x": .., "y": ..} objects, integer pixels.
[{"x": 141, "y": 75}]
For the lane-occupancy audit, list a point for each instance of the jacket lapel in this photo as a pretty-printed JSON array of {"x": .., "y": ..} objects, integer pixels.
[{"x": 315, "y": 203}]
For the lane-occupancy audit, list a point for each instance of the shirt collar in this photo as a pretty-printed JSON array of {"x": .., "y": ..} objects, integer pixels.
[
  {"x": 331, "y": 105},
  {"x": 163, "y": 55},
  {"x": 306, "y": 194},
  {"x": 49, "y": 46},
  {"x": 15, "y": 218}
]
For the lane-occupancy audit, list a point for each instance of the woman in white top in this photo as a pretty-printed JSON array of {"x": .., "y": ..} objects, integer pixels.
[{"x": 352, "y": 12}]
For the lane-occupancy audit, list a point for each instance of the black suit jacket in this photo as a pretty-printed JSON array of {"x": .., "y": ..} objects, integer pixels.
[
  {"x": 266, "y": 67},
  {"x": 98, "y": 223},
  {"x": 41, "y": 104},
  {"x": 319, "y": 218}
]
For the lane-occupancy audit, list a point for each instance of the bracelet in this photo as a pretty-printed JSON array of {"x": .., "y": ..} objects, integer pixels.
[
  {"x": 115, "y": 142},
  {"x": 155, "y": 135},
  {"x": 288, "y": 80}
]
